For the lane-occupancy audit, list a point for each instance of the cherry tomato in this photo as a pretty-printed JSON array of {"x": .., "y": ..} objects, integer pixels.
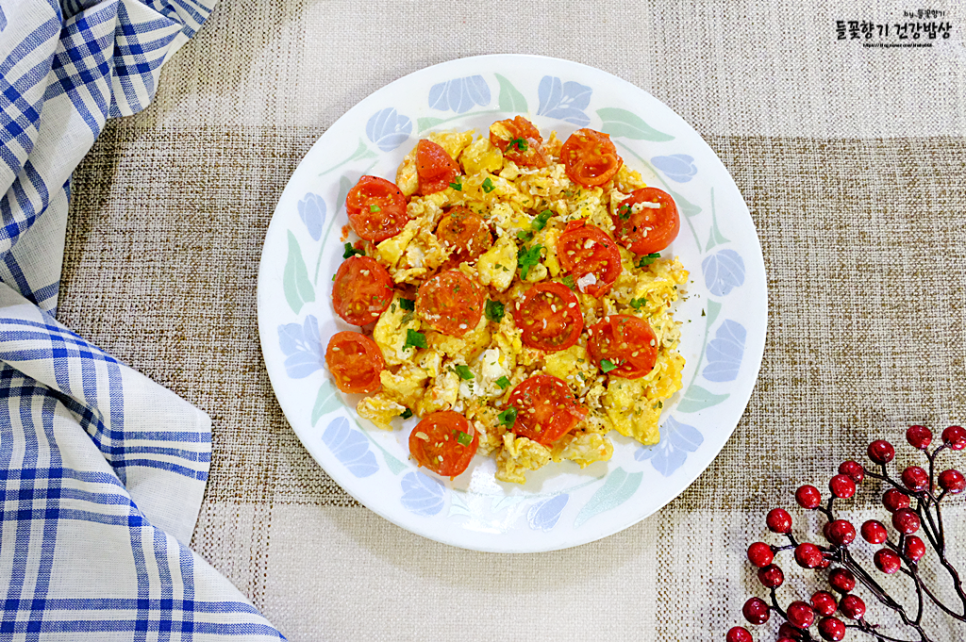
[
  {"x": 549, "y": 317},
  {"x": 590, "y": 158},
  {"x": 524, "y": 145},
  {"x": 627, "y": 342},
  {"x": 465, "y": 230},
  {"x": 355, "y": 362},
  {"x": 362, "y": 290},
  {"x": 435, "y": 168},
  {"x": 586, "y": 249},
  {"x": 376, "y": 209},
  {"x": 652, "y": 225},
  {"x": 444, "y": 442},
  {"x": 546, "y": 409},
  {"x": 450, "y": 303}
]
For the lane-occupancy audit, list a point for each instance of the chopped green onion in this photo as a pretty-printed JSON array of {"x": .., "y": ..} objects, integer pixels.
[
  {"x": 527, "y": 258},
  {"x": 406, "y": 414},
  {"x": 458, "y": 186},
  {"x": 350, "y": 251},
  {"x": 540, "y": 220},
  {"x": 520, "y": 144},
  {"x": 525, "y": 235},
  {"x": 464, "y": 372},
  {"x": 494, "y": 311},
  {"x": 606, "y": 365},
  {"x": 569, "y": 282},
  {"x": 647, "y": 260},
  {"x": 624, "y": 212},
  {"x": 488, "y": 185},
  {"x": 503, "y": 382},
  {"x": 374, "y": 208},
  {"x": 407, "y": 304},
  {"x": 637, "y": 304},
  {"x": 463, "y": 438},
  {"x": 508, "y": 416},
  {"x": 414, "y": 339}
]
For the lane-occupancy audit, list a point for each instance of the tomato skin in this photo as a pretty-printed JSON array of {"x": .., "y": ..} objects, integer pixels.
[
  {"x": 546, "y": 409},
  {"x": 650, "y": 229},
  {"x": 603, "y": 259},
  {"x": 543, "y": 327},
  {"x": 466, "y": 231},
  {"x": 362, "y": 290},
  {"x": 520, "y": 129},
  {"x": 389, "y": 216},
  {"x": 435, "y": 437},
  {"x": 626, "y": 341},
  {"x": 450, "y": 303},
  {"x": 355, "y": 362},
  {"x": 590, "y": 158},
  {"x": 434, "y": 166}
]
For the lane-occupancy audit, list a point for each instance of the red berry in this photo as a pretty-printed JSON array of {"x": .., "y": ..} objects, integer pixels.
[
  {"x": 952, "y": 481},
  {"x": 786, "y": 640},
  {"x": 788, "y": 632},
  {"x": 919, "y": 437},
  {"x": 841, "y": 532},
  {"x": 853, "y": 469},
  {"x": 842, "y": 580},
  {"x": 831, "y": 629},
  {"x": 842, "y": 486},
  {"x": 914, "y": 548},
  {"x": 894, "y": 500},
  {"x": 739, "y": 634},
  {"x": 915, "y": 478},
  {"x": 881, "y": 451},
  {"x": 955, "y": 437},
  {"x": 800, "y": 615},
  {"x": 808, "y": 497},
  {"x": 771, "y": 576},
  {"x": 756, "y": 611},
  {"x": 874, "y": 532},
  {"x": 824, "y": 603},
  {"x": 760, "y": 554},
  {"x": 905, "y": 520},
  {"x": 887, "y": 561},
  {"x": 808, "y": 555},
  {"x": 852, "y": 607},
  {"x": 779, "y": 521}
]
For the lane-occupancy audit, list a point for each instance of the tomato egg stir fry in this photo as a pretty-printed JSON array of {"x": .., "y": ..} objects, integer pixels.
[{"x": 511, "y": 293}]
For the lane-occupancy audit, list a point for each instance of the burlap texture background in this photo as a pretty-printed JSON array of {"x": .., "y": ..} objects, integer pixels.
[{"x": 852, "y": 162}]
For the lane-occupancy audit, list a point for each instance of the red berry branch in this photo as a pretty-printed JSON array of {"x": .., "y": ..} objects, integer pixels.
[{"x": 914, "y": 501}]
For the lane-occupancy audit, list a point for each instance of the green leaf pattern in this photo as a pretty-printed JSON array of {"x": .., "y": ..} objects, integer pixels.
[
  {"x": 295, "y": 278},
  {"x": 618, "y": 488}
]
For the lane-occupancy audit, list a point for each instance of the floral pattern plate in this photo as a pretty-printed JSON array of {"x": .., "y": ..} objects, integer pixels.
[{"x": 724, "y": 313}]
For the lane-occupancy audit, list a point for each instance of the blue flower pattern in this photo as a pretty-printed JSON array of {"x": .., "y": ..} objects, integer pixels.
[
  {"x": 350, "y": 447},
  {"x": 725, "y": 351},
  {"x": 302, "y": 347},
  {"x": 678, "y": 167},
  {"x": 677, "y": 441},
  {"x": 723, "y": 272},
  {"x": 564, "y": 100},
  {"x": 422, "y": 495},
  {"x": 460, "y": 94},
  {"x": 388, "y": 130},
  {"x": 312, "y": 212},
  {"x": 544, "y": 516}
]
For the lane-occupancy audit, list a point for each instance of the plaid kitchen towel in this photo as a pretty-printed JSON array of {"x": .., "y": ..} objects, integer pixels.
[{"x": 102, "y": 471}]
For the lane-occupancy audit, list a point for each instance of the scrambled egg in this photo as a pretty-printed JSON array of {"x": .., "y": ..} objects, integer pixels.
[{"x": 470, "y": 373}]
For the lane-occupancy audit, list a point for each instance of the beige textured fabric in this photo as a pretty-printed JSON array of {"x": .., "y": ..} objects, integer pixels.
[{"x": 857, "y": 193}]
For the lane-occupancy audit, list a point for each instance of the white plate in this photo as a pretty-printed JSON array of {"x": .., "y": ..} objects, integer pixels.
[{"x": 724, "y": 314}]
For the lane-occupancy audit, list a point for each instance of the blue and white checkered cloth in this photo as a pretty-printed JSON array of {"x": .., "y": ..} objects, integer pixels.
[{"x": 102, "y": 471}]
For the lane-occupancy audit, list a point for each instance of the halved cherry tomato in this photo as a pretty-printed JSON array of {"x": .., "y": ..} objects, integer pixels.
[
  {"x": 355, "y": 362},
  {"x": 546, "y": 409},
  {"x": 549, "y": 317},
  {"x": 376, "y": 209},
  {"x": 450, "y": 303},
  {"x": 590, "y": 158},
  {"x": 444, "y": 442},
  {"x": 628, "y": 342},
  {"x": 435, "y": 168},
  {"x": 651, "y": 225},
  {"x": 586, "y": 249},
  {"x": 519, "y": 141},
  {"x": 465, "y": 230},
  {"x": 362, "y": 290}
]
